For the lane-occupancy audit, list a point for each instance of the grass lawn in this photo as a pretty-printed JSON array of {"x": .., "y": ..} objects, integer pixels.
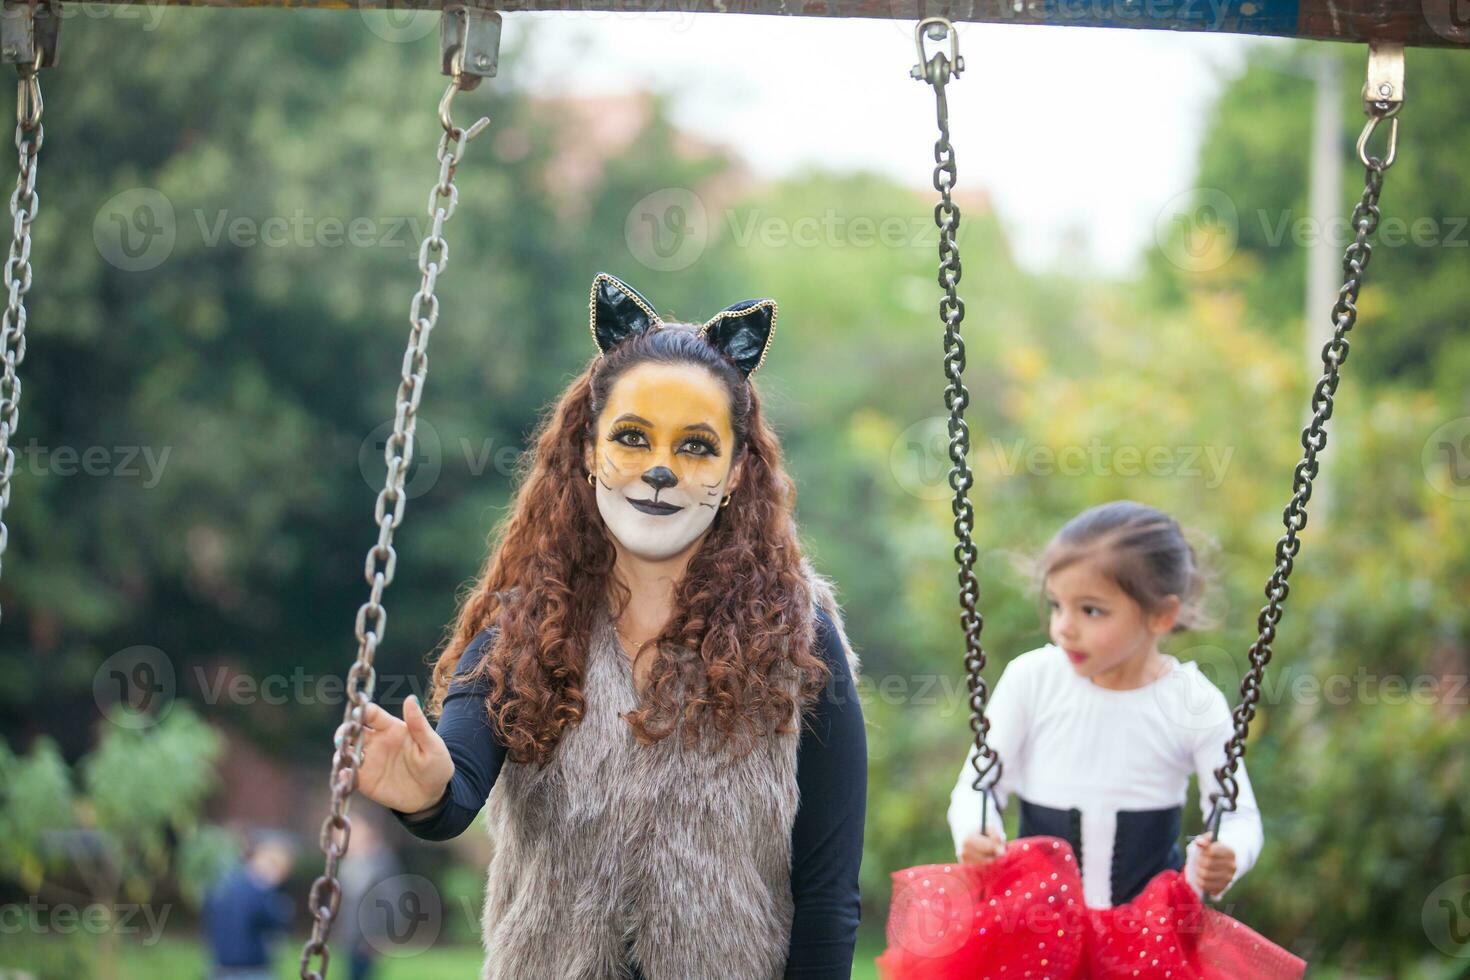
[{"x": 76, "y": 957}]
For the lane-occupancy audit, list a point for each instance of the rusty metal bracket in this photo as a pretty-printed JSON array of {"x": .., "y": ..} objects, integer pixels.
[
  {"x": 469, "y": 42},
  {"x": 28, "y": 32}
]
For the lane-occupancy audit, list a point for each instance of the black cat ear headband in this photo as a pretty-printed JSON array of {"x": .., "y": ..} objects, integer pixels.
[{"x": 742, "y": 331}]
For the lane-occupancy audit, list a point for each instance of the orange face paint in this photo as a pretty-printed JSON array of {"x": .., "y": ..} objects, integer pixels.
[{"x": 662, "y": 457}]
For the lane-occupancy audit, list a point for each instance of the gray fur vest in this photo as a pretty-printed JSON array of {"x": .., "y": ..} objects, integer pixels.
[{"x": 682, "y": 857}]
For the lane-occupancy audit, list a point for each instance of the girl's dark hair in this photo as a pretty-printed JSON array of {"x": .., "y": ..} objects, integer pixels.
[
  {"x": 1140, "y": 549},
  {"x": 744, "y": 605}
]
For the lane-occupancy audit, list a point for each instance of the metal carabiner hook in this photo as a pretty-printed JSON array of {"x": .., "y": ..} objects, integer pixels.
[
  {"x": 28, "y": 102},
  {"x": 446, "y": 103},
  {"x": 938, "y": 69},
  {"x": 1393, "y": 140},
  {"x": 1383, "y": 97}
]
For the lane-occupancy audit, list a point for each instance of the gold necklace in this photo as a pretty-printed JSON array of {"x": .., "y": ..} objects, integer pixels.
[{"x": 636, "y": 647}]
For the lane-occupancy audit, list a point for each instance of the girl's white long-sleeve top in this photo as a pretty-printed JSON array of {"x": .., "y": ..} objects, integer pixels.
[{"x": 1112, "y": 765}]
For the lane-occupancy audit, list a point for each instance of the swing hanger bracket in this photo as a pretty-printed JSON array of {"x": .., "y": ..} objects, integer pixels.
[
  {"x": 469, "y": 52},
  {"x": 469, "y": 43},
  {"x": 938, "y": 68},
  {"x": 1383, "y": 97},
  {"x": 28, "y": 33}
]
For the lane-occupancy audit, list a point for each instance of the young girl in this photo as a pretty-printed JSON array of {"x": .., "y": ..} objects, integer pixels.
[
  {"x": 1099, "y": 730},
  {"x": 1097, "y": 734}
]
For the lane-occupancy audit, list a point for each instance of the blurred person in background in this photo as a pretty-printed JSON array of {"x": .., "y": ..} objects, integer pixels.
[
  {"x": 246, "y": 908},
  {"x": 372, "y": 886}
]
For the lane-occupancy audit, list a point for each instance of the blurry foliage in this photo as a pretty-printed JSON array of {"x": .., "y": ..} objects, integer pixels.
[
  {"x": 108, "y": 836},
  {"x": 114, "y": 820}
]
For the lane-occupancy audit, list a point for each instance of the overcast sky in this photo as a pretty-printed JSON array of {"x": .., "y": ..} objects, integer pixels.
[{"x": 1075, "y": 132}]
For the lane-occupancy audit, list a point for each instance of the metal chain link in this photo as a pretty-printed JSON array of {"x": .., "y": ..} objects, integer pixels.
[
  {"x": 372, "y": 617},
  {"x": 24, "y": 202},
  {"x": 937, "y": 71},
  {"x": 1365, "y": 218}
]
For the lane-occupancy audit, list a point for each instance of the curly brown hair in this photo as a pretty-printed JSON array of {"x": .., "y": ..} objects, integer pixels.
[{"x": 743, "y": 612}]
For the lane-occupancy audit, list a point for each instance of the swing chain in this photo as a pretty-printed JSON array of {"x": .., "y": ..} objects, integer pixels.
[
  {"x": 937, "y": 71},
  {"x": 372, "y": 617},
  {"x": 24, "y": 202},
  {"x": 1365, "y": 217}
]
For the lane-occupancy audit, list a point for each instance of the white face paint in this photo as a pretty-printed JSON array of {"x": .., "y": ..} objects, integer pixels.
[{"x": 662, "y": 458}]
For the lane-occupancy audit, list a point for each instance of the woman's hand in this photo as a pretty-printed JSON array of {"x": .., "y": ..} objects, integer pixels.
[
  {"x": 405, "y": 764},
  {"x": 1214, "y": 865},
  {"x": 983, "y": 848}
]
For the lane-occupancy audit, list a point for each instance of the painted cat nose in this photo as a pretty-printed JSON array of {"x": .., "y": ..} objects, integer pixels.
[{"x": 660, "y": 477}]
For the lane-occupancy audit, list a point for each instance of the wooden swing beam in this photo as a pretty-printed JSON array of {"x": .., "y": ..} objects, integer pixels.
[{"x": 1415, "y": 23}]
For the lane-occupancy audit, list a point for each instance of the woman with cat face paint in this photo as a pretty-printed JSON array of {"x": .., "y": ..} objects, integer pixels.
[{"x": 655, "y": 683}]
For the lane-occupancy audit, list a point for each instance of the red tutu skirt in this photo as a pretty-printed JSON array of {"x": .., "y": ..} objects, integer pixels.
[{"x": 1022, "y": 916}]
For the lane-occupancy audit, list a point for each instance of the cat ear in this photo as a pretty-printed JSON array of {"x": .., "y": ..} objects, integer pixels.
[
  {"x": 742, "y": 332},
  {"x": 618, "y": 311}
]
